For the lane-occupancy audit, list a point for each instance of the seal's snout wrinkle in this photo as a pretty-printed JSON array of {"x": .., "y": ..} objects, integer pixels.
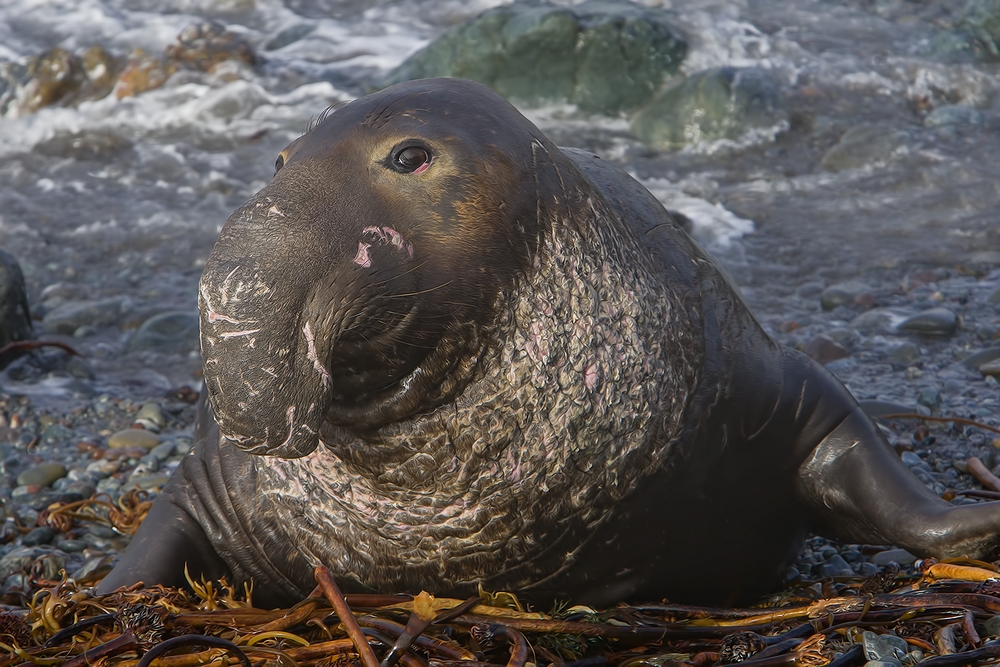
[{"x": 442, "y": 353}]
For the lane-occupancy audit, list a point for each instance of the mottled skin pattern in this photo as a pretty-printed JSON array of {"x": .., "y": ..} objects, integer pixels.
[{"x": 442, "y": 352}]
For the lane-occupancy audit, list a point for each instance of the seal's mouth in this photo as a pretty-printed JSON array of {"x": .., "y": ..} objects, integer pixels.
[{"x": 352, "y": 342}]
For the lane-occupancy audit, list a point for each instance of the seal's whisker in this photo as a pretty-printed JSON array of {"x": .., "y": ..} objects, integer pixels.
[{"x": 419, "y": 292}]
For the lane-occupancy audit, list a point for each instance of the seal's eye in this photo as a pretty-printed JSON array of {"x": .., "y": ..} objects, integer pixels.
[
  {"x": 279, "y": 163},
  {"x": 411, "y": 159}
]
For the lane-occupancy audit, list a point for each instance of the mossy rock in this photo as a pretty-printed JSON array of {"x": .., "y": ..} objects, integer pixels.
[
  {"x": 603, "y": 57},
  {"x": 15, "y": 317},
  {"x": 714, "y": 104}
]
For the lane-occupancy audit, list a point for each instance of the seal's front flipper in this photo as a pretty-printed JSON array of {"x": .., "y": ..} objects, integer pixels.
[
  {"x": 858, "y": 490},
  {"x": 168, "y": 539}
]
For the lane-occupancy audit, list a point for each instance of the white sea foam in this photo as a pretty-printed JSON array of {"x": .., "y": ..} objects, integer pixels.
[{"x": 714, "y": 224}]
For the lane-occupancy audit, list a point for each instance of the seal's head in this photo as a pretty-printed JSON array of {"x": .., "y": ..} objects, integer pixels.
[{"x": 359, "y": 287}]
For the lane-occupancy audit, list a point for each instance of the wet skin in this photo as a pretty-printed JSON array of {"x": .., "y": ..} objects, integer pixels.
[{"x": 440, "y": 351}]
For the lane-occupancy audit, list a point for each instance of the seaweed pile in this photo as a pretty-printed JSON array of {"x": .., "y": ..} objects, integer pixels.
[{"x": 936, "y": 617}]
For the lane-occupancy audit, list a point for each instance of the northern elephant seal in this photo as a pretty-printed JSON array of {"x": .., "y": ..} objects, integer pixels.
[{"x": 442, "y": 352}]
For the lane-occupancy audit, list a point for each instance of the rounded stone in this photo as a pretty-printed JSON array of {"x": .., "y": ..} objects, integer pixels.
[
  {"x": 841, "y": 294},
  {"x": 885, "y": 647},
  {"x": 930, "y": 397},
  {"x": 173, "y": 332},
  {"x": 904, "y": 354},
  {"x": 38, "y": 536},
  {"x": 164, "y": 450},
  {"x": 71, "y": 546},
  {"x": 824, "y": 349},
  {"x": 836, "y": 566},
  {"x": 954, "y": 114},
  {"x": 991, "y": 628},
  {"x": 991, "y": 368},
  {"x": 900, "y": 556},
  {"x": 151, "y": 417},
  {"x": 150, "y": 482},
  {"x": 603, "y": 57},
  {"x": 719, "y": 103},
  {"x": 41, "y": 475},
  {"x": 932, "y": 322},
  {"x": 974, "y": 361},
  {"x": 875, "y": 321},
  {"x": 133, "y": 437},
  {"x": 68, "y": 317},
  {"x": 864, "y": 145}
]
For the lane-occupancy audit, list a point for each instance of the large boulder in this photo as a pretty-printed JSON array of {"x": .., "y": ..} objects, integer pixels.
[
  {"x": 980, "y": 23},
  {"x": 713, "y": 104},
  {"x": 604, "y": 57}
]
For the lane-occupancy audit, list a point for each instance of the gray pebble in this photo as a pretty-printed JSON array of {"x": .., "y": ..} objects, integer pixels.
[
  {"x": 71, "y": 546},
  {"x": 851, "y": 555},
  {"x": 110, "y": 486},
  {"x": 79, "y": 368},
  {"x": 38, "y": 536},
  {"x": 824, "y": 349},
  {"x": 170, "y": 333},
  {"x": 151, "y": 481},
  {"x": 911, "y": 459},
  {"x": 991, "y": 628},
  {"x": 182, "y": 446},
  {"x": 900, "y": 556},
  {"x": 809, "y": 290},
  {"x": 904, "y": 354},
  {"x": 43, "y": 499},
  {"x": 841, "y": 294},
  {"x": 842, "y": 366},
  {"x": 84, "y": 487},
  {"x": 836, "y": 566},
  {"x": 147, "y": 464},
  {"x": 25, "y": 513},
  {"x": 867, "y": 569},
  {"x": 151, "y": 417},
  {"x": 93, "y": 569},
  {"x": 932, "y": 322},
  {"x": 101, "y": 530},
  {"x": 863, "y": 145},
  {"x": 974, "y": 361},
  {"x": 931, "y": 397},
  {"x": 41, "y": 475},
  {"x": 163, "y": 451},
  {"x": 21, "y": 558},
  {"x": 985, "y": 257},
  {"x": 884, "y": 647},
  {"x": 70, "y": 317},
  {"x": 954, "y": 114},
  {"x": 875, "y": 321}
]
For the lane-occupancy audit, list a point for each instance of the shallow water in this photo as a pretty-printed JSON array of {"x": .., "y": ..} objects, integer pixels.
[{"x": 125, "y": 197}]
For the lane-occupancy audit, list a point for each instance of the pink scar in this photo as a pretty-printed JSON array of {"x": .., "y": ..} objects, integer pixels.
[{"x": 363, "y": 259}]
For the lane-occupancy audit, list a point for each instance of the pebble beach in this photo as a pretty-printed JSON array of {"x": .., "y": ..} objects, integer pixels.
[{"x": 858, "y": 214}]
